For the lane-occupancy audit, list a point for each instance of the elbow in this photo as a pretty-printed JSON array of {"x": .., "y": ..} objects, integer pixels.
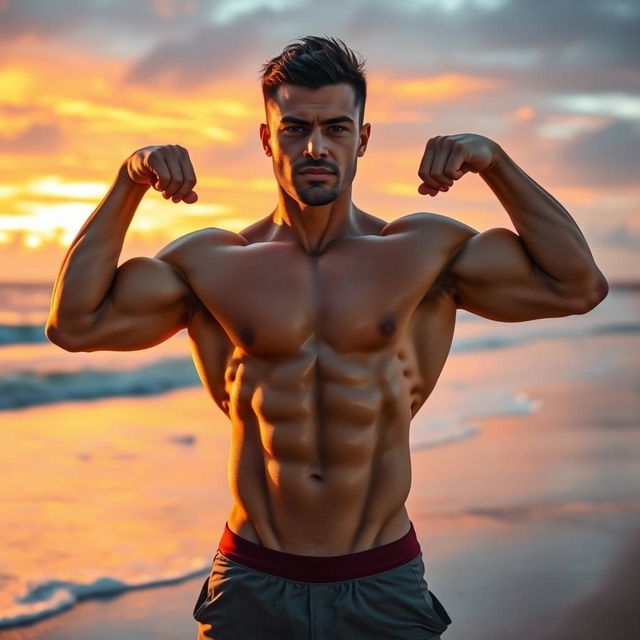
[
  {"x": 64, "y": 340},
  {"x": 597, "y": 292}
]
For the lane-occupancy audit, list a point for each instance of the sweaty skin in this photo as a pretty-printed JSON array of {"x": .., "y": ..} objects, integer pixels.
[{"x": 320, "y": 330}]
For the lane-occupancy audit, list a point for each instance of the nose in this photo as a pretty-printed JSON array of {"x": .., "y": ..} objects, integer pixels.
[{"x": 316, "y": 147}]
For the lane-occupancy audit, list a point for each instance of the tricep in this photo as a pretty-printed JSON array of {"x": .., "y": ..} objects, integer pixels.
[
  {"x": 147, "y": 303},
  {"x": 494, "y": 277}
]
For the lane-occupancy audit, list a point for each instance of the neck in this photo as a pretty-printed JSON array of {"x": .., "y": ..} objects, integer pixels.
[{"x": 315, "y": 227}]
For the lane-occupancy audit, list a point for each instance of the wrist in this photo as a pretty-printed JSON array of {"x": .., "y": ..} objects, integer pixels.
[
  {"x": 123, "y": 179},
  {"x": 497, "y": 161}
]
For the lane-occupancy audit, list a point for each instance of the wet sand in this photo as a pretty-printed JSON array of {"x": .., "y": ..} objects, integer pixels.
[{"x": 530, "y": 530}]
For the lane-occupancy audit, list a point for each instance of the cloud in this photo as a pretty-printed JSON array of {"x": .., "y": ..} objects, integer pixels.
[
  {"x": 44, "y": 19},
  {"x": 605, "y": 157},
  {"x": 37, "y": 138},
  {"x": 533, "y": 47},
  {"x": 196, "y": 59},
  {"x": 623, "y": 235},
  {"x": 618, "y": 105},
  {"x": 540, "y": 46}
]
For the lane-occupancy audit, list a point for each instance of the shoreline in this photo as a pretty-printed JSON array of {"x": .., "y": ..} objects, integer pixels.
[{"x": 529, "y": 530}]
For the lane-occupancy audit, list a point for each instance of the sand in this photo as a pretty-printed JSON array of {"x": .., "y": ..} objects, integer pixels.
[{"x": 530, "y": 530}]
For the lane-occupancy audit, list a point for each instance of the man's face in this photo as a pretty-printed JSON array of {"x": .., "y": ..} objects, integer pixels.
[{"x": 314, "y": 138}]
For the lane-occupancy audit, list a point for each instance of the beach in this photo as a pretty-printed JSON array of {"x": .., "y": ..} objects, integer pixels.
[
  {"x": 529, "y": 520},
  {"x": 525, "y": 456}
]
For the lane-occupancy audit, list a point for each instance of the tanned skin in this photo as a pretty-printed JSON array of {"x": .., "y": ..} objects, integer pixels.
[{"x": 321, "y": 330}]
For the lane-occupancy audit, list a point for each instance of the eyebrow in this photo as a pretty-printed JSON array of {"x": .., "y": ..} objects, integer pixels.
[{"x": 336, "y": 120}]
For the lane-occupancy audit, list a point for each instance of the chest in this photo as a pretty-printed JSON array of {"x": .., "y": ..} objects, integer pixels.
[{"x": 272, "y": 299}]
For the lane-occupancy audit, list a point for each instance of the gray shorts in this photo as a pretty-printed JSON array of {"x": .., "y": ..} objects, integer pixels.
[{"x": 241, "y": 603}]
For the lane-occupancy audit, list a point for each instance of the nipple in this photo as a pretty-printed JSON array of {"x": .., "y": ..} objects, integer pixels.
[{"x": 387, "y": 325}]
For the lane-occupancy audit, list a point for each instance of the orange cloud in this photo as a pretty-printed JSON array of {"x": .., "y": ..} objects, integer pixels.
[
  {"x": 437, "y": 88},
  {"x": 69, "y": 119}
]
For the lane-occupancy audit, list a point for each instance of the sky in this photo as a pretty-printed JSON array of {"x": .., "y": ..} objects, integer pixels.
[{"x": 86, "y": 82}]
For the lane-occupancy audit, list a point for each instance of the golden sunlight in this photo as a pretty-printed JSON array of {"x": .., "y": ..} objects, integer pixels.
[{"x": 442, "y": 87}]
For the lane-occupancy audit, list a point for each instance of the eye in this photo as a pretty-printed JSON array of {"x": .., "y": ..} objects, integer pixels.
[
  {"x": 294, "y": 128},
  {"x": 337, "y": 128}
]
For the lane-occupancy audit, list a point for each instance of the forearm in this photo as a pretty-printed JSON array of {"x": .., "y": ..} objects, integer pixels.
[
  {"x": 89, "y": 267},
  {"x": 549, "y": 233}
]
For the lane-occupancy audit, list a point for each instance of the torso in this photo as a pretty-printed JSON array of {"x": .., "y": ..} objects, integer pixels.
[{"x": 321, "y": 362}]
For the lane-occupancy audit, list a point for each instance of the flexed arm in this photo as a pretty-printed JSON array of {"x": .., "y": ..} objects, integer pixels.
[
  {"x": 544, "y": 270},
  {"x": 98, "y": 305}
]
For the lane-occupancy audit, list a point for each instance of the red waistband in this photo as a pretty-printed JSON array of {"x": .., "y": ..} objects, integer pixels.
[{"x": 319, "y": 568}]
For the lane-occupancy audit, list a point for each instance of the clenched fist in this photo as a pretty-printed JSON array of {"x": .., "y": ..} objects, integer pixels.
[
  {"x": 448, "y": 158},
  {"x": 167, "y": 168}
]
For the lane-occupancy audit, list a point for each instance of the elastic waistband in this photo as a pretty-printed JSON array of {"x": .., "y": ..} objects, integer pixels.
[{"x": 319, "y": 568}]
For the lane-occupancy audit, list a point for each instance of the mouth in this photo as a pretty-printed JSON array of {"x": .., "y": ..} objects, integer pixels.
[
  {"x": 316, "y": 174},
  {"x": 315, "y": 171}
]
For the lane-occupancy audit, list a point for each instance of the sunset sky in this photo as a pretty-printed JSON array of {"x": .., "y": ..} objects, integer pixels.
[{"x": 85, "y": 83}]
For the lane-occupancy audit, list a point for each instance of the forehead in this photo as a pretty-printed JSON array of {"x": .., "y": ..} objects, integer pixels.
[{"x": 303, "y": 102}]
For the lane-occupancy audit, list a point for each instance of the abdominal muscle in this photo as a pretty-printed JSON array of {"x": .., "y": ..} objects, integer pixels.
[{"x": 319, "y": 462}]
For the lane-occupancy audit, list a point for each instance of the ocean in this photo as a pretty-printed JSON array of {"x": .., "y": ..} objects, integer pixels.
[{"x": 114, "y": 463}]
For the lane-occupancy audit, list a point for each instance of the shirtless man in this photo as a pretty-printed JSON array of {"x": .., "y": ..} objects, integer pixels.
[{"x": 320, "y": 331}]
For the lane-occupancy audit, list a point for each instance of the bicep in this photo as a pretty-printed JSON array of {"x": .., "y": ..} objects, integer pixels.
[
  {"x": 148, "y": 302},
  {"x": 492, "y": 275}
]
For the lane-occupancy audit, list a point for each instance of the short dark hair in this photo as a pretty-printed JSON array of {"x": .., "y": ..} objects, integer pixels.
[{"x": 314, "y": 62}]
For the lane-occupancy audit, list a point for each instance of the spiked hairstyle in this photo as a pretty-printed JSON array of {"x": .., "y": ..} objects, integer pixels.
[{"x": 314, "y": 62}]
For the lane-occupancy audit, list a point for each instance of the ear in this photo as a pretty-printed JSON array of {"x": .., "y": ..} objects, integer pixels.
[
  {"x": 264, "y": 138},
  {"x": 365, "y": 132}
]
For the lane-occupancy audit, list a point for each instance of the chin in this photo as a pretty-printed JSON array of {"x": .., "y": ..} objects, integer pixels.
[
  {"x": 317, "y": 196},
  {"x": 318, "y": 200}
]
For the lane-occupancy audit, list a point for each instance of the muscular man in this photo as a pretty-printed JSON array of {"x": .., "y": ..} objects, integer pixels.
[{"x": 320, "y": 331}]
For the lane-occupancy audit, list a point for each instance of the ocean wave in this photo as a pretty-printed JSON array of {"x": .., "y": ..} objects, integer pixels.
[
  {"x": 25, "y": 388},
  {"x": 459, "y": 423},
  {"x": 486, "y": 342},
  {"x": 28, "y": 388},
  {"x": 48, "y": 597},
  {"x": 22, "y": 334}
]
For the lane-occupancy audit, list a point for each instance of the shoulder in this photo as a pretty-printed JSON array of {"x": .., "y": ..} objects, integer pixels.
[
  {"x": 176, "y": 263},
  {"x": 192, "y": 246},
  {"x": 211, "y": 237},
  {"x": 422, "y": 222},
  {"x": 434, "y": 237},
  {"x": 185, "y": 252},
  {"x": 431, "y": 231}
]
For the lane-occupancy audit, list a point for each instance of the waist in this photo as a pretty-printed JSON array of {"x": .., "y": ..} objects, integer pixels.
[{"x": 319, "y": 568}]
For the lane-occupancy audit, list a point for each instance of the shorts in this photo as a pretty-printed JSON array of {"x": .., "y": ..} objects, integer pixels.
[{"x": 257, "y": 593}]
